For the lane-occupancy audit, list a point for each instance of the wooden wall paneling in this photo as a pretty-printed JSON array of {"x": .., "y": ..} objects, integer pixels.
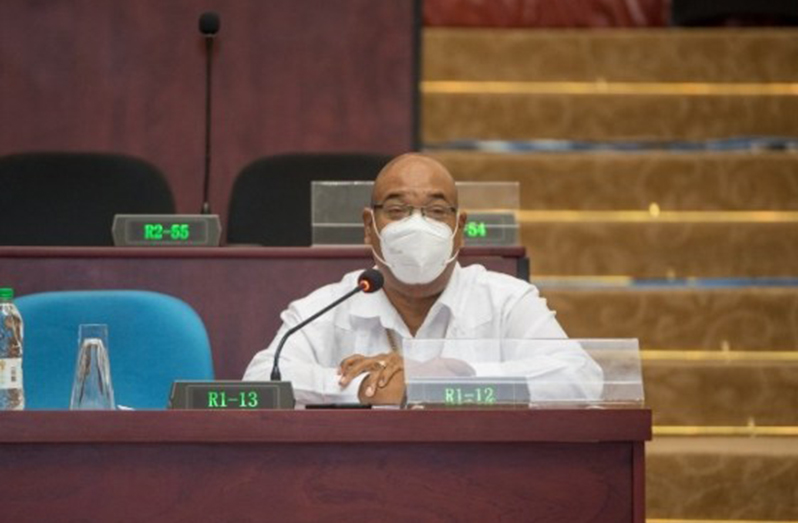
[{"x": 128, "y": 77}]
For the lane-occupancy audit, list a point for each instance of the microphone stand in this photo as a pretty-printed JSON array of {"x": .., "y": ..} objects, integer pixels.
[
  {"x": 369, "y": 281},
  {"x": 206, "y": 206},
  {"x": 276, "y": 375}
]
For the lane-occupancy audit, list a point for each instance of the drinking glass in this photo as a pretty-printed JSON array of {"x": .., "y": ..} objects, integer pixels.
[{"x": 92, "y": 388}]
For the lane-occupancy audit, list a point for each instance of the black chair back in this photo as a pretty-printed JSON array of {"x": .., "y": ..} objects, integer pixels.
[
  {"x": 70, "y": 199},
  {"x": 767, "y": 13},
  {"x": 270, "y": 201}
]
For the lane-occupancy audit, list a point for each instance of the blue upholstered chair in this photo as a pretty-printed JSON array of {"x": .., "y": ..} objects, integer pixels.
[{"x": 153, "y": 340}]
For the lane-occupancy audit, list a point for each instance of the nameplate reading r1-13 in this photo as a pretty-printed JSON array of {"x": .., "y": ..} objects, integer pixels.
[{"x": 231, "y": 395}]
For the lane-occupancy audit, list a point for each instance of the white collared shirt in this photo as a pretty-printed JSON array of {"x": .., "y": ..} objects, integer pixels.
[{"x": 476, "y": 303}]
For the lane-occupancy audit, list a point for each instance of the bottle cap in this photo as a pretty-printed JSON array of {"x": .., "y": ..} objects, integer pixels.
[{"x": 6, "y": 293}]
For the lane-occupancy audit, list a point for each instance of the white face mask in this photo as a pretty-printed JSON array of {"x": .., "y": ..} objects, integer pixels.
[{"x": 416, "y": 249}]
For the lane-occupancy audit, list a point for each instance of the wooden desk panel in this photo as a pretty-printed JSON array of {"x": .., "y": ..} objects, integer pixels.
[
  {"x": 548, "y": 466},
  {"x": 238, "y": 292}
]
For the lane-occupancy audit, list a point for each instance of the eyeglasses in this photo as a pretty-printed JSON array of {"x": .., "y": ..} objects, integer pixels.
[{"x": 395, "y": 211}]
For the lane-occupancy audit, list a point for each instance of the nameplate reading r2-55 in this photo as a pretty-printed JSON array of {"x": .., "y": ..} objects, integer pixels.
[{"x": 166, "y": 230}]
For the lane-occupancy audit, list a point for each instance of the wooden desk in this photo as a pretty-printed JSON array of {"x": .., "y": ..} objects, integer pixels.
[
  {"x": 238, "y": 292},
  {"x": 446, "y": 465}
]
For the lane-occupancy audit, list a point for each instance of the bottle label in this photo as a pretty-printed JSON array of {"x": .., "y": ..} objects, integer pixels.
[{"x": 10, "y": 373}]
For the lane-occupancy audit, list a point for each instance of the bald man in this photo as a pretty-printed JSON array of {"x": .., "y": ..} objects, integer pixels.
[{"x": 415, "y": 230}]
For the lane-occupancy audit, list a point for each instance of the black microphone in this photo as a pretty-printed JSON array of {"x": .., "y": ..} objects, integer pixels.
[
  {"x": 208, "y": 26},
  {"x": 209, "y": 23},
  {"x": 369, "y": 281}
]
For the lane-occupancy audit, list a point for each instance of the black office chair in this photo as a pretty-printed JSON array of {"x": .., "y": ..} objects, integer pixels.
[
  {"x": 55, "y": 198},
  {"x": 270, "y": 201}
]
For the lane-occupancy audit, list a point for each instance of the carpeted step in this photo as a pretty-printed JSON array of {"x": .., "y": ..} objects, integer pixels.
[
  {"x": 731, "y": 390},
  {"x": 711, "y": 355},
  {"x": 624, "y": 181},
  {"x": 681, "y": 318},
  {"x": 611, "y": 55},
  {"x": 641, "y": 246},
  {"x": 628, "y": 114},
  {"x": 722, "y": 478}
]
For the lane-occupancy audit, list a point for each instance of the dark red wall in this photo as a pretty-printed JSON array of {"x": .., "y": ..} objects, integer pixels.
[{"x": 128, "y": 76}]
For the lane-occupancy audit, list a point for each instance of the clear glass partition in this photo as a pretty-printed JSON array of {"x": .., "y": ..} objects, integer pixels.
[
  {"x": 489, "y": 196},
  {"x": 336, "y": 209},
  {"x": 535, "y": 373}
]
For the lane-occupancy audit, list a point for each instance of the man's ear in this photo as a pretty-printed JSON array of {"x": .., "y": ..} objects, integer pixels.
[
  {"x": 461, "y": 221},
  {"x": 368, "y": 226},
  {"x": 462, "y": 218}
]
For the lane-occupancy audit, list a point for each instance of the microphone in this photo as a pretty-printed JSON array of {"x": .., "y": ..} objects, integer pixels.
[
  {"x": 208, "y": 26},
  {"x": 209, "y": 23},
  {"x": 369, "y": 281}
]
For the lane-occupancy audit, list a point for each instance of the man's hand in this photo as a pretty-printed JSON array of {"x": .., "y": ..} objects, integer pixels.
[
  {"x": 391, "y": 393},
  {"x": 384, "y": 384}
]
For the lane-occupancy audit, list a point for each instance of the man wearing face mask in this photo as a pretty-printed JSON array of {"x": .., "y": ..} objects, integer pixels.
[{"x": 415, "y": 230}]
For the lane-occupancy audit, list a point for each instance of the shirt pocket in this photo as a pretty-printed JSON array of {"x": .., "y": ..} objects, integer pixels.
[{"x": 365, "y": 342}]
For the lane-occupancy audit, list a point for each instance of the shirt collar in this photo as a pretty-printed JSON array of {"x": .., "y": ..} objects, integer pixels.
[
  {"x": 377, "y": 305},
  {"x": 374, "y": 307}
]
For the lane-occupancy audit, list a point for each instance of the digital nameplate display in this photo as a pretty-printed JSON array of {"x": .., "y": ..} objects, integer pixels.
[
  {"x": 166, "y": 230},
  {"x": 491, "y": 229},
  {"x": 469, "y": 392},
  {"x": 231, "y": 395}
]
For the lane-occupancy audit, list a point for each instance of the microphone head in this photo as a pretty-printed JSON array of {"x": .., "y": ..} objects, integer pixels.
[
  {"x": 209, "y": 23},
  {"x": 370, "y": 280}
]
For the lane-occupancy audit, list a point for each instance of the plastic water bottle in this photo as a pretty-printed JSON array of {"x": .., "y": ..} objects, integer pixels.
[{"x": 12, "y": 396}]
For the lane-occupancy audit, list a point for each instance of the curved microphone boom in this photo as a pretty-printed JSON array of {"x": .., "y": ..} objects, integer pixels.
[
  {"x": 208, "y": 25},
  {"x": 369, "y": 281}
]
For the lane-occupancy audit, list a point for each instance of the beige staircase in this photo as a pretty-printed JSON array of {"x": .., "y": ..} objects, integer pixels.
[
  {"x": 610, "y": 84},
  {"x": 720, "y": 361}
]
